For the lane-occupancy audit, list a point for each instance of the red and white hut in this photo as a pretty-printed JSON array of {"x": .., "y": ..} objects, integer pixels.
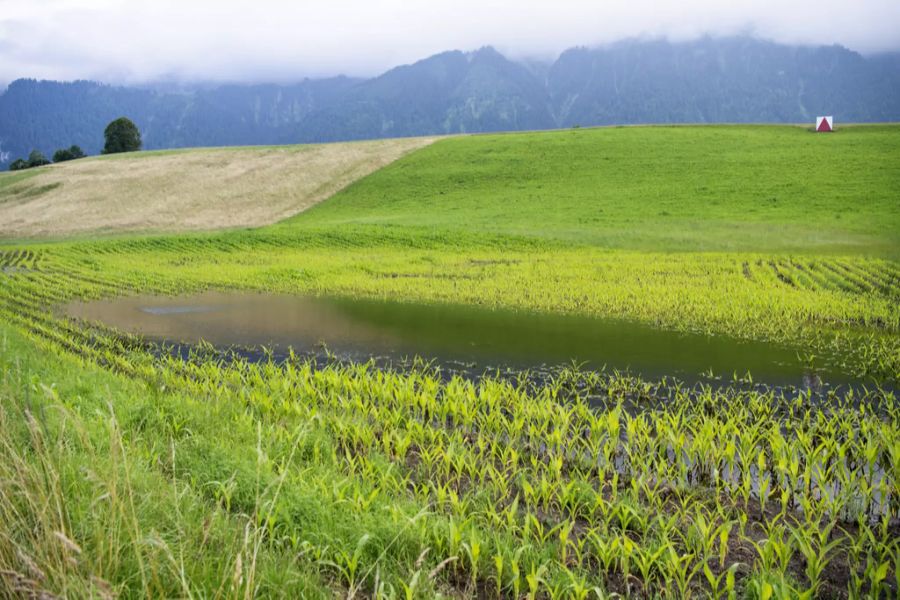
[{"x": 824, "y": 124}]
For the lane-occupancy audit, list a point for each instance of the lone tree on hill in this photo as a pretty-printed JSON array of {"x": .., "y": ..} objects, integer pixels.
[
  {"x": 122, "y": 135},
  {"x": 18, "y": 165},
  {"x": 71, "y": 153}
]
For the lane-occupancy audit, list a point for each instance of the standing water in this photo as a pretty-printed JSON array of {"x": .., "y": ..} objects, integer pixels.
[{"x": 449, "y": 334}]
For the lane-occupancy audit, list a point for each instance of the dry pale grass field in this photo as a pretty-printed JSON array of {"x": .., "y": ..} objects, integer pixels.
[{"x": 195, "y": 189}]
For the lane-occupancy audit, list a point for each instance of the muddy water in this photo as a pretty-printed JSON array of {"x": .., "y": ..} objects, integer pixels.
[{"x": 456, "y": 335}]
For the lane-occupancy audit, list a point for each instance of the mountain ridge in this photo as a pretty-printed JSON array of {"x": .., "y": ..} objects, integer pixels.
[{"x": 737, "y": 79}]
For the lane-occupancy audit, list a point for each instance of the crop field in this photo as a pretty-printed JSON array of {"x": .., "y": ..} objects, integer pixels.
[
  {"x": 130, "y": 470},
  {"x": 843, "y": 308}
]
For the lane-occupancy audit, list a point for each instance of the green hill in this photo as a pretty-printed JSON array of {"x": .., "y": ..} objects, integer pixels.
[{"x": 764, "y": 188}]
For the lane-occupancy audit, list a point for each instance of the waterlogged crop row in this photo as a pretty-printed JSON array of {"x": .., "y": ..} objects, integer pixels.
[
  {"x": 708, "y": 493},
  {"x": 593, "y": 485},
  {"x": 845, "y": 311}
]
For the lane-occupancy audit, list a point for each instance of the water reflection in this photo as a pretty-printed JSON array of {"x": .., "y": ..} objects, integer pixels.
[{"x": 447, "y": 333}]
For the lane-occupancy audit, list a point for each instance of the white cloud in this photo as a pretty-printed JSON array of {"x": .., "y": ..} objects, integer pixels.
[{"x": 138, "y": 40}]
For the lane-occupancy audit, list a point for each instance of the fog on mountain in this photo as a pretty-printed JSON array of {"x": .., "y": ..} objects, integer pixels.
[{"x": 709, "y": 80}]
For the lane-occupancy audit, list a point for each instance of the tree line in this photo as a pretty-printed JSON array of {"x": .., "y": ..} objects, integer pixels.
[{"x": 121, "y": 135}]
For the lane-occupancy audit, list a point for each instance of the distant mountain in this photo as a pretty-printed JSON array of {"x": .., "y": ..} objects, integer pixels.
[
  {"x": 721, "y": 80},
  {"x": 452, "y": 92},
  {"x": 708, "y": 80}
]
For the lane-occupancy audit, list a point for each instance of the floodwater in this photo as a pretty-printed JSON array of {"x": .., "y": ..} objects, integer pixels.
[{"x": 474, "y": 337}]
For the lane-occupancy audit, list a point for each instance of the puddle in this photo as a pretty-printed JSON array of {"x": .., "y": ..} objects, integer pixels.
[{"x": 449, "y": 334}]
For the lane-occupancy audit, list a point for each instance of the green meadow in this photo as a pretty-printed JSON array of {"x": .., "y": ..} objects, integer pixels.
[
  {"x": 126, "y": 471},
  {"x": 742, "y": 188}
]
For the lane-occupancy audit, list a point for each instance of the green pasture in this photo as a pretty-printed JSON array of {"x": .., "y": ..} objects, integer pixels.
[{"x": 749, "y": 188}]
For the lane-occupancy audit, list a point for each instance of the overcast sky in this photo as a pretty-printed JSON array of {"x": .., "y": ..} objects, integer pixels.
[{"x": 135, "y": 41}]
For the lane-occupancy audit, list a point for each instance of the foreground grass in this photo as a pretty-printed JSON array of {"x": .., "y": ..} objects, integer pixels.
[{"x": 86, "y": 509}]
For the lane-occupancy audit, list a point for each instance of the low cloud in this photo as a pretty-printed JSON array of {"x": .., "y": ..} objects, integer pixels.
[{"x": 135, "y": 41}]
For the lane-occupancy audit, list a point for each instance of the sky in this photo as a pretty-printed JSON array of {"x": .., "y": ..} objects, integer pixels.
[{"x": 138, "y": 41}]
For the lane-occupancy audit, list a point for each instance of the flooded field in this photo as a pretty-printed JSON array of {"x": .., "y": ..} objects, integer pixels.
[{"x": 466, "y": 336}]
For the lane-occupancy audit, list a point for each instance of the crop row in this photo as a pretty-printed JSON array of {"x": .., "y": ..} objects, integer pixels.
[
  {"x": 522, "y": 489},
  {"x": 832, "y": 275},
  {"x": 16, "y": 260}
]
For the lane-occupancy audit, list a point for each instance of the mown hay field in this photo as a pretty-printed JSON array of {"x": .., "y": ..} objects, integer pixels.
[{"x": 184, "y": 190}]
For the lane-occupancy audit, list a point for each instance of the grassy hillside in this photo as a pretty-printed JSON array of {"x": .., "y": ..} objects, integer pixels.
[
  {"x": 183, "y": 190},
  {"x": 754, "y": 188}
]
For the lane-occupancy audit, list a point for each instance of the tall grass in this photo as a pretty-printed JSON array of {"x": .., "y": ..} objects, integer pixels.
[{"x": 85, "y": 512}]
